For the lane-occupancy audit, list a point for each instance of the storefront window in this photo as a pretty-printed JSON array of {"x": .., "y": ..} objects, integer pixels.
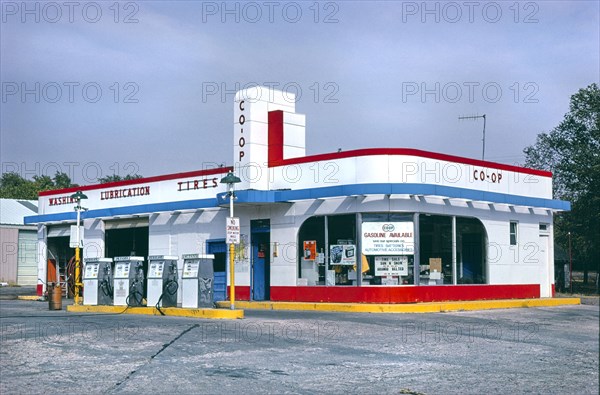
[
  {"x": 330, "y": 253},
  {"x": 470, "y": 251},
  {"x": 342, "y": 250},
  {"x": 311, "y": 252},
  {"x": 436, "y": 250},
  {"x": 327, "y": 251}
]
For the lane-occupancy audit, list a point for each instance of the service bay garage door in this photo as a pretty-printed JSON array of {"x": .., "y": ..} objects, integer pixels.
[{"x": 27, "y": 270}]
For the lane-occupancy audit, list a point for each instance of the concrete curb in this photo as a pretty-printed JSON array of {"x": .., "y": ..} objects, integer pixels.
[
  {"x": 30, "y": 297},
  {"x": 437, "y": 307},
  {"x": 216, "y": 314}
]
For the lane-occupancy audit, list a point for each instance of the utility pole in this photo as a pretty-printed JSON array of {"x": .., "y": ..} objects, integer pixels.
[
  {"x": 570, "y": 265},
  {"x": 230, "y": 179},
  {"x": 483, "y": 140},
  {"x": 77, "y": 197}
]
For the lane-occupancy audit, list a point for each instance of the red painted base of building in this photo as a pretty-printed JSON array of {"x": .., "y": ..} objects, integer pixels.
[
  {"x": 242, "y": 292},
  {"x": 403, "y": 294}
]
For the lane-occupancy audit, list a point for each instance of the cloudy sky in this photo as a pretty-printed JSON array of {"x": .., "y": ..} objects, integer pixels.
[{"x": 96, "y": 88}]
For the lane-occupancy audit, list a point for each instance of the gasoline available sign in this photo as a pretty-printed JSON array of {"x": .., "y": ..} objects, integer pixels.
[{"x": 388, "y": 238}]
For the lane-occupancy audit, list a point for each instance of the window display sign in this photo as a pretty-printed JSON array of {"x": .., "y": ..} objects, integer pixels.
[
  {"x": 435, "y": 264},
  {"x": 391, "y": 266},
  {"x": 388, "y": 238},
  {"x": 342, "y": 254},
  {"x": 310, "y": 250}
]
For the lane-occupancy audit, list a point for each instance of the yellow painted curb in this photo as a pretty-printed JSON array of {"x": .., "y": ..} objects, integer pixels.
[
  {"x": 435, "y": 307},
  {"x": 217, "y": 314},
  {"x": 29, "y": 297}
]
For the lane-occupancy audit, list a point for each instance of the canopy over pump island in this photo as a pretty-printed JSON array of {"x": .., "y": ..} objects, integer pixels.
[{"x": 391, "y": 225}]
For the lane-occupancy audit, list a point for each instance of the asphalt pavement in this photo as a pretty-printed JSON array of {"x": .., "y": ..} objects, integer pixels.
[
  {"x": 537, "y": 350},
  {"x": 7, "y": 293}
]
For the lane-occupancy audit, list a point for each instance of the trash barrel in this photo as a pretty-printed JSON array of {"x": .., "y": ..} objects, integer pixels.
[{"x": 54, "y": 297}]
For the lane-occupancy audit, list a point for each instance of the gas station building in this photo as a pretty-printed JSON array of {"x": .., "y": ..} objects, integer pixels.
[{"x": 389, "y": 225}]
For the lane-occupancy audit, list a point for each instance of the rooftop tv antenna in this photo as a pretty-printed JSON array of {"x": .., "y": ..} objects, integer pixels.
[{"x": 476, "y": 117}]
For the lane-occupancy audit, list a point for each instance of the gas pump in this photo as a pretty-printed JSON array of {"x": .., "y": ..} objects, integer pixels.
[
  {"x": 97, "y": 282},
  {"x": 129, "y": 280},
  {"x": 197, "y": 281},
  {"x": 162, "y": 281}
]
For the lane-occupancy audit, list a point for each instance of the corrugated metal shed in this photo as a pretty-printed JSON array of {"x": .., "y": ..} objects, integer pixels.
[{"x": 12, "y": 211}]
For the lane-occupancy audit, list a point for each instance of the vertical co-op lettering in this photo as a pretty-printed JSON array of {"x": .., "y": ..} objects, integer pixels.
[{"x": 241, "y": 141}]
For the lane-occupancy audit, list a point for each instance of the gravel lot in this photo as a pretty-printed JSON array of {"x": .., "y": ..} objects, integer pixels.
[{"x": 541, "y": 350}]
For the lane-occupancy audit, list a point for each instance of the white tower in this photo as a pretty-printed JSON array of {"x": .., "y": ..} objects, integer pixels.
[{"x": 267, "y": 130}]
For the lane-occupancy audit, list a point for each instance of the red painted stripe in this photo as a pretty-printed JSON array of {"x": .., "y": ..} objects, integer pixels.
[
  {"x": 410, "y": 152},
  {"x": 197, "y": 173},
  {"x": 553, "y": 290},
  {"x": 242, "y": 292},
  {"x": 404, "y": 294},
  {"x": 40, "y": 289},
  {"x": 275, "y": 136}
]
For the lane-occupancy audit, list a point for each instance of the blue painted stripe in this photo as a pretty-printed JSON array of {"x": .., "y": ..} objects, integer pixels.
[
  {"x": 126, "y": 210},
  {"x": 255, "y": 196},
  {"x": 412, "y": 189}
]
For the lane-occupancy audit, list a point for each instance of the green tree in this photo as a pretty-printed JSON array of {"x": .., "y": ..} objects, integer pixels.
[
  {"x": 13, "y": 186},
  {"x": 116, "y": 177},
  {"x": 62, "y": 180},
  {"x": 43, "y": 183},
  {"x": 572, "y": 152}
]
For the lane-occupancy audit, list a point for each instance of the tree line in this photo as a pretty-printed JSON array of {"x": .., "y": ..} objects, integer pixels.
[
  {"x": 14, "y": 186},
  {"x": 571, "y": 151}
]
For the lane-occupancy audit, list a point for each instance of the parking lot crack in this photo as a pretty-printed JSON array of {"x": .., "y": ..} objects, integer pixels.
[{"x": 163, "y": 348}]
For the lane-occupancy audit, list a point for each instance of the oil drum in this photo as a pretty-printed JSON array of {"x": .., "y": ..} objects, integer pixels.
[{"x": 54, "y": 297}]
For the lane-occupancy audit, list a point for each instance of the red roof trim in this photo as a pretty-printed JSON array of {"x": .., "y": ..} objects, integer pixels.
[
  {"x": 410, "y": 152},
  {"x": 173, "y": 176},
  {"x": 308, "y": 159}
]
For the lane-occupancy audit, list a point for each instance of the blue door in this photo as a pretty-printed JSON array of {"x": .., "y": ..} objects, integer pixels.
[
  {"x": 258, "y": 274},
  {"x": 219, "y": 249},
  {"x": 260, "y": 231}
]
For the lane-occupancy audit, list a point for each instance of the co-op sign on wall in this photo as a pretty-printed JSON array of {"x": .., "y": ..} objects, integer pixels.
[{"x": 388, "y": 238}]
